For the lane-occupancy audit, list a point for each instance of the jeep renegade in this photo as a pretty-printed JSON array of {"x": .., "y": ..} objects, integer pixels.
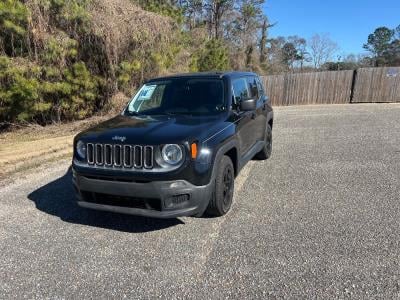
[{"x": 176, "y": 148}]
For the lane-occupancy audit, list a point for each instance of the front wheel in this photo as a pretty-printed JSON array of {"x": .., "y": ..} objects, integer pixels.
[
  {"x": 266, "y": 152},
  {"x": 221, "y": 200}
]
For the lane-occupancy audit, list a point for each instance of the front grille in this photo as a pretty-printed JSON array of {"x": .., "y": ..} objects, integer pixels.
[
  {"x": 120, "y": 156},
  {"x": 179, "y": 199}
]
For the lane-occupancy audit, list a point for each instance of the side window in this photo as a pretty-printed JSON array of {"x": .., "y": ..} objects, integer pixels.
[
  {"x": 260, "y": 87},
  {"x": 251, "y": 81},
  {"x": 240, "y": 90}
]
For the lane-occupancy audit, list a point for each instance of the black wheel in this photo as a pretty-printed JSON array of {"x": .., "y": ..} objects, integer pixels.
[
  {"x": 266, "y": 152},
  {"x": 221, "y": 201}
]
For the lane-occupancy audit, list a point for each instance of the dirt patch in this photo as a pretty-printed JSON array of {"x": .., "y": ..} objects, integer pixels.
[{"x": 32, "y": 146}]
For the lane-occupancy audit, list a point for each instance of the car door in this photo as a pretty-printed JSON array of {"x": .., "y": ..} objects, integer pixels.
[
  {"x": 245, "y": 122},
  {"x": 264, "y": 98},
  {"x": 260, "y": 117}
]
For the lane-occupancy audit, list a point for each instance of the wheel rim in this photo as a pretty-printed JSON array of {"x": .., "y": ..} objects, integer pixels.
[{"x": 227, "y": 187}]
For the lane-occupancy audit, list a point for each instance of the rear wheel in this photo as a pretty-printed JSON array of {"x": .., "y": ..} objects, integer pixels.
[
  {"x": 266, "y": 152},
  {"x": 221, "y": 200}
]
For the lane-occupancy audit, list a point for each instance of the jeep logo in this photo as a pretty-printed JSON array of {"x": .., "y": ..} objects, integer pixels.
[{"x": 119, "y": 138}]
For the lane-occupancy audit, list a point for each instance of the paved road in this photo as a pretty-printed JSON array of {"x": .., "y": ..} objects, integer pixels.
[{"x": 320, "y": 219}]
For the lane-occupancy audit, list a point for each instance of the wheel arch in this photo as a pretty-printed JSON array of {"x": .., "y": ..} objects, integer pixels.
[
  {"x": 229, "y": 149},
  {"x": 233, "y": 155}
]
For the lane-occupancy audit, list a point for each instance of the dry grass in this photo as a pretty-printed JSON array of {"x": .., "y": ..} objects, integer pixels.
[
  {"x": 117, "y": 103},
  {"x": 124, "y": 26},
  {"x": 29, "y": 147}
]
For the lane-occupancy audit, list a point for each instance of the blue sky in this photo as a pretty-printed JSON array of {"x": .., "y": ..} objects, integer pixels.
[{"x": 348, "y": 22}]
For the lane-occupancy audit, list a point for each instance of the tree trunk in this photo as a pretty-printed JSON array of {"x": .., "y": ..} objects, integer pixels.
[
  {"x": 263, "y": 41},
  {"x": 216, "y": 20}
]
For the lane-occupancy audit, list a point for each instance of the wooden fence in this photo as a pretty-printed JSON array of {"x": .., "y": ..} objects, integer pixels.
[
  {"x": 377, "y": 85},
  {"x": 334, "y": 87}
]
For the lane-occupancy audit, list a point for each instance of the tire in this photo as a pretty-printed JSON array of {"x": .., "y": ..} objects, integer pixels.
[
  {"x": 221, "y": 200},
  {"x": 266, "y": 152}
]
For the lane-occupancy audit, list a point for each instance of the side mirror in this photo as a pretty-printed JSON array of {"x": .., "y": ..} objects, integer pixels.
[{"x": 248, "y": 105}]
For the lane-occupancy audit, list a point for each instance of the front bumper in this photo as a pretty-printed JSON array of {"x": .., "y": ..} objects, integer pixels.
[{"x": 159, "y": 199}]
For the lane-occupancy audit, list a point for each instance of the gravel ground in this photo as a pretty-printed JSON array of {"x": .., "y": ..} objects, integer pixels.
[{"x": 320, "y": 219}]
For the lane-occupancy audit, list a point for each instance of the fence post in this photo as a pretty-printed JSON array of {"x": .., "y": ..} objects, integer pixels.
[{"x": 353, "y": 84}]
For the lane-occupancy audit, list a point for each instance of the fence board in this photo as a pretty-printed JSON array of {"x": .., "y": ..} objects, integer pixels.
[
  {"x": 377, "y": 85},
  {"x": 309, "y": 88}
]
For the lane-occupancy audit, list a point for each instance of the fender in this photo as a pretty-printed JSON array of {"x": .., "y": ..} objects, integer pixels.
[{"x": 223, "y": 149}]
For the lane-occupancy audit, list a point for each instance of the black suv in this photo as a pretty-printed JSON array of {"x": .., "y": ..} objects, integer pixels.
[{"x": 176, "y": 148}]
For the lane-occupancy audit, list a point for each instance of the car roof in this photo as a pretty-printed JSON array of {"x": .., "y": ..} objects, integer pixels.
[{"x": 231, "y": 74}]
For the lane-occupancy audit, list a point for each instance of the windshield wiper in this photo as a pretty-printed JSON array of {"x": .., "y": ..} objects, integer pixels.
[{"x": 133, "y": 113}]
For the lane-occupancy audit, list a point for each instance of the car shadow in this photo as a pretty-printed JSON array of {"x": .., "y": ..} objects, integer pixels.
[{"x": 57, "y": 198}]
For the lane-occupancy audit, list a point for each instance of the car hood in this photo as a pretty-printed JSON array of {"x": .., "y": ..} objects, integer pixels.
[{"x": 150, "y": 130}]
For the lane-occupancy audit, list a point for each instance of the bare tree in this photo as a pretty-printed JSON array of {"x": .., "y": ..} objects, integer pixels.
[
  {"x": 397, "y": 32},
  {"x": 275, "y": 55},
  {"x": 216, "y": 9},
  {"x": 248, "y": 23},
  {"x": 302, "y": 55},
  {"x": 265, "y": 25},
  {"x": 322, "y": 49},
  {"x": 193, "y": 10}
]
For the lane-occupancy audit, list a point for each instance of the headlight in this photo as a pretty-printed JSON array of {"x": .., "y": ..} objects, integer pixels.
[
  {"x": 81, "y": 149},
  {"x": 172, "y": 154}
]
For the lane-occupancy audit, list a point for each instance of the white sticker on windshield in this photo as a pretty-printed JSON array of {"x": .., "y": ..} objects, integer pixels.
[{"x": 146, "y": 92}]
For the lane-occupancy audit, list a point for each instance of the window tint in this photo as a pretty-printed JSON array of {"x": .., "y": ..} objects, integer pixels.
[
  {"x": 251, "y": 81},
  {"x": 179, "y": 96},
  {"x": 240, "y": 89}
]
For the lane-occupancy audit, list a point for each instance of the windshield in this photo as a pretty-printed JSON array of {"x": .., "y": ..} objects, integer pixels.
[{"x": 179, "y": 96}]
